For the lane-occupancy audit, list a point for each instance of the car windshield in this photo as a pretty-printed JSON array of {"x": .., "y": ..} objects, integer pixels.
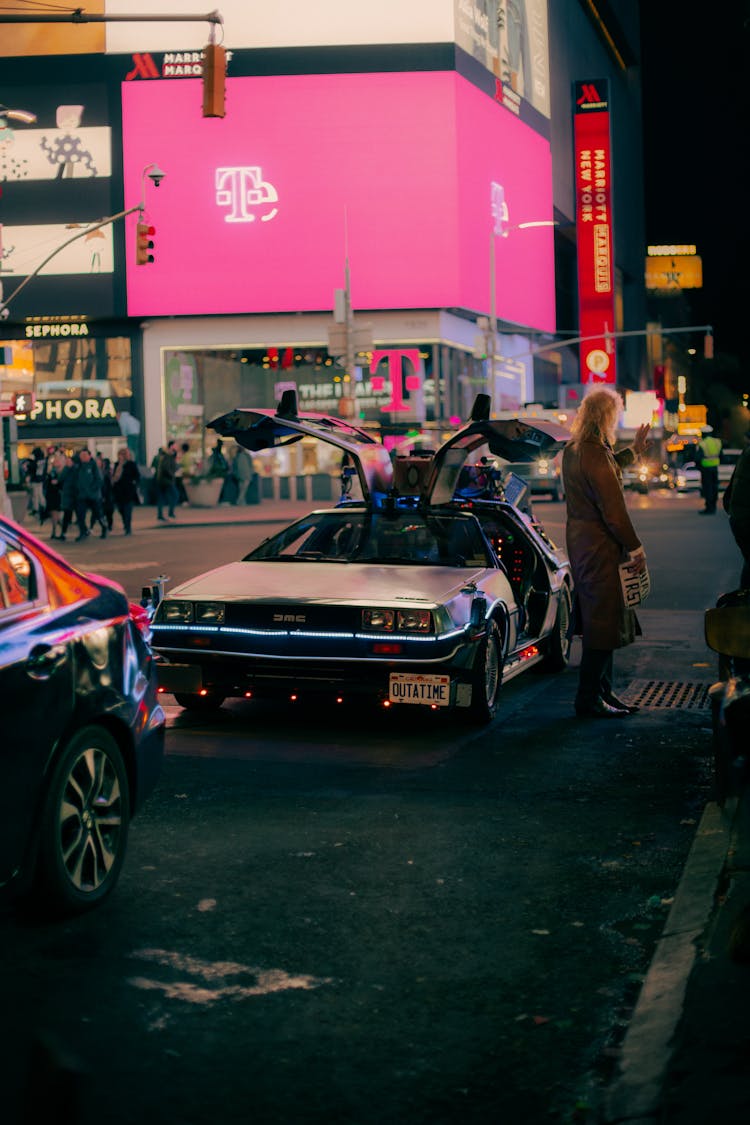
[{"x": 409, "y": 538}]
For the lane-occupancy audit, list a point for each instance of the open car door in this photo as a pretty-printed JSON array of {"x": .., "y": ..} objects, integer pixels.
[
  {"x": 267, "y": 429},
  {"x": 513, "y": 439}
]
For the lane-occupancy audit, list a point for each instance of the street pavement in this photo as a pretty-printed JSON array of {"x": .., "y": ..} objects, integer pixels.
[{"x": 686, "y": 1055}]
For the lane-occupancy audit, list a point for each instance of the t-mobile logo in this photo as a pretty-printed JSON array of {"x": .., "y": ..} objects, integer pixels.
[{"x": 243, "y": 191}]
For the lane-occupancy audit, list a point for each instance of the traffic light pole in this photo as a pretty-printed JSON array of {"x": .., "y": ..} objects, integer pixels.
[
  {"x": 87, "y": 230},
  {"x": 155, "y": 173}
]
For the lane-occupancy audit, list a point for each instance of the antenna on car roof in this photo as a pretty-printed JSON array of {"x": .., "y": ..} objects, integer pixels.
[
  {"x": 480, "y": 411},
  {"x": 287, "y": 407}
]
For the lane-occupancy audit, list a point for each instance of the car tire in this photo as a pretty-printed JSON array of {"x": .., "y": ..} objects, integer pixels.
[
  {"x": 84, "y": 827},
  {"x": 558, "y": 643},
  {"x": 487, "y": 677},
  {"x": 212, "y": 701}
]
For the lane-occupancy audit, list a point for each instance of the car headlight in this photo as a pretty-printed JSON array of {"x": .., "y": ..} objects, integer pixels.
[
  {"x": 403, "y": 620},
  {"x": 210, "y": 612},
  {"x": 175, "y": 611},
  {"x": 414, "y": 620},
  {"x": 379, "y": 619}
]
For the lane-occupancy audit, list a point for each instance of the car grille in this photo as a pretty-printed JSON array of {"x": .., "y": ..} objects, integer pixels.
[{"x": 285, "y": 616}]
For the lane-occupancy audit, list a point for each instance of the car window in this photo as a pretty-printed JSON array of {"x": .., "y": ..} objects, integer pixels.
[
  {"x": 403, "y": 537},
  {"x": 17, "y": 585}
]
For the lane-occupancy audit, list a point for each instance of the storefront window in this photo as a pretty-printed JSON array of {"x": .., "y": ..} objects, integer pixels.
[
  {"x": 200, "y": 384},
  {"x": 80, "y": 383}
]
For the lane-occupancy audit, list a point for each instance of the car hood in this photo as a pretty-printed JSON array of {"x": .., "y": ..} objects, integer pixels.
[{"x": 298, "y": 582}]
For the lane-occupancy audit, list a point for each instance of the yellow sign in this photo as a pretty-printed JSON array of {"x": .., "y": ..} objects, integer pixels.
[{"x": 672, "y": 273}]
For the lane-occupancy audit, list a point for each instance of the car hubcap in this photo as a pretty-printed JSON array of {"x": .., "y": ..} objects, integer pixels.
[
  {"x": 491, "y": 671},
  {"x": 90, "y": 821},
  {"x": 564, "y": 623}
]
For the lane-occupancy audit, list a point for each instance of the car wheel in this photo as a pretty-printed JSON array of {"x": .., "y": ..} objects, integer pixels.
[
  {"x": 487, "y": 677},
  {"x": 84, "y": 828},
  {"x": 558, "y": 643},
  {"x": 211, "y": 701}
]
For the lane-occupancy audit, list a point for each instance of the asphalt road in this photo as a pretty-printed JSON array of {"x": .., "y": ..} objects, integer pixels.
[{"x": 344, "y": 919}]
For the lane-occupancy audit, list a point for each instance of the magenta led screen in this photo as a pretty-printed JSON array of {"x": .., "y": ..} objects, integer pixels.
[{"x": 258, "y": 208}]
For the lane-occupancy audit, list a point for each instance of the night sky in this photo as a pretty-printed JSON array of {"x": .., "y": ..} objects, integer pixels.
[{"x": 696, "y": 123}]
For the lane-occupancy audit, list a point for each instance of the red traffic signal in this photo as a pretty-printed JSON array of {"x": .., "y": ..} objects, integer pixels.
[
  {"x": 144, "y": 243},
  {"x": 659, "y": 380}
]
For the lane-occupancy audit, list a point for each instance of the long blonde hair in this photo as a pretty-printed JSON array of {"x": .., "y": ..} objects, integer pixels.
[{"x": 596, "y": 417}]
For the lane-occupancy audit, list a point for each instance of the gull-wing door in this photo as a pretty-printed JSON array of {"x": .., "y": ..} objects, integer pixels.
[
  {"x": 267, "y": 429},
  {"x": 513, "y": 439}
]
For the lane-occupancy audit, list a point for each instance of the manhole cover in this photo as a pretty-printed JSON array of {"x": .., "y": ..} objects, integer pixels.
[{"x": 675, "y": 695}]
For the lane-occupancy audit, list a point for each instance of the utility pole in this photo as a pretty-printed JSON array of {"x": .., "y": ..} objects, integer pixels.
[{"x": 346, "y": 340}]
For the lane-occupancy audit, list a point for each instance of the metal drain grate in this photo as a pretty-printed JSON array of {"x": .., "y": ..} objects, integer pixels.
[{"x": 681, "y": 696}]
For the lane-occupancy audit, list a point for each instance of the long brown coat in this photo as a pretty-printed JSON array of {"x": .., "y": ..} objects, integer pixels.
[{"x": 599, "y": 535}]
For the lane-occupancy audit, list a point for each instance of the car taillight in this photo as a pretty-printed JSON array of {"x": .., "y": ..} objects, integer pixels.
[{"x": 141, "y": 619}]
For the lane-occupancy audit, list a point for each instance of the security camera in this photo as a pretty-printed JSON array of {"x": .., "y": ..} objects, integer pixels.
[
  {"x": 156, "y": 175},
  {"x": 4, "y": 312}
]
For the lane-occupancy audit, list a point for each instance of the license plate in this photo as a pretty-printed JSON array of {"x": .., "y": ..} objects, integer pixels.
[{"x": 412, "y": 687}]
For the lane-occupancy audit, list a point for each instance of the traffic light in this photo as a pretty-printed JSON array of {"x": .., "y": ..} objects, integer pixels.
[
  {"x": 659, "y": 380},
  {"x": 708, "y": 346},
  {"x": 214, "y": 75},
  {"x": 144, "y": 243}
]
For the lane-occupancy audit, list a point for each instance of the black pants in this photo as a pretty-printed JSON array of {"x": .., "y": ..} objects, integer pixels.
[
  {"x": 710, "y": 487},
  {"x": 594, "y": 677}
]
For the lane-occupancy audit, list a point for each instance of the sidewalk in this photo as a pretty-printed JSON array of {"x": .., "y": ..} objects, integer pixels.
[
  {"x": 268, "y": 511},
  {"x": 686, "y": 1055}
]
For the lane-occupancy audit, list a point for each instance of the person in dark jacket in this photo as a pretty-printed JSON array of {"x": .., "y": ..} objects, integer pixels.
[
  {"x": 600, "y": 536},
  {"x": 108, "y": 501},
  {"x": 166, "y": 489},
  {"x": 67, "y": 494},
  {"x": 125, "y": 478},
  {"x": 53, "y": 492},
  {"x": 88, "y": 491}
]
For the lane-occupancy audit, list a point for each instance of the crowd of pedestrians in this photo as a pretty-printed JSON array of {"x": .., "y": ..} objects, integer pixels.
[{"x": 87, "y": 489}]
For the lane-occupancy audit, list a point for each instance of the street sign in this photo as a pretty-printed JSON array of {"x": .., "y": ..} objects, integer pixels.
[
  {"x": 337, "y": 339},
  {"x": 361, "y": 339}
]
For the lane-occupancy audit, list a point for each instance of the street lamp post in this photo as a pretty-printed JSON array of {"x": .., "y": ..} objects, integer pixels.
[
  {"x": 156, "y": 175},
  {"x": 502, "y": 232}
]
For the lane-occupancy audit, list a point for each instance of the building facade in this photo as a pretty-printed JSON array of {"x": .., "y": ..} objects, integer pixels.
[{"x": 386, "y": 218}]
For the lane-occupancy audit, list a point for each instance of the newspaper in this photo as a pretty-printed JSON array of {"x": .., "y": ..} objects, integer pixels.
[{"x": 635, "y": 587}]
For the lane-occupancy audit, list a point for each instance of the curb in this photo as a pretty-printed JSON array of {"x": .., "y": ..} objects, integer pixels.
[{"x": 635, "y": 1096}]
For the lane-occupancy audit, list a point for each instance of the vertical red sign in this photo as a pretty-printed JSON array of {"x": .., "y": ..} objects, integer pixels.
[{"x": 596, "y": 268}]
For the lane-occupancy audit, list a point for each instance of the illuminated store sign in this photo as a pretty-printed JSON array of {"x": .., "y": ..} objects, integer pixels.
[
  {"x": 241, "y": 190},
  {"x": 55, "y": 329},
  {"x": 596, "y": 290},
  {"x": 376, "y": 164},
  {"x": 73, "y": 410}
]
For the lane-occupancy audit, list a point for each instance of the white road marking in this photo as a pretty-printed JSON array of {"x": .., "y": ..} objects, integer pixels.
[{"x": 212, "y": 972}]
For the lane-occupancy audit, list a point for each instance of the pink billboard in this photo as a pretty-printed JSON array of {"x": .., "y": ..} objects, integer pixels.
[{"x": 258, "y": 209}]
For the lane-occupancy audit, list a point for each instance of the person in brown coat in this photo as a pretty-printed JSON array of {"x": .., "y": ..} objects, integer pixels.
[{"x": 600, "y": 536}]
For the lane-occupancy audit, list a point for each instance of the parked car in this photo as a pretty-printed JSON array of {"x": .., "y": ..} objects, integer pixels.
[
  {"x": 727, "y": 630},
  {"x": 82, "y": 727},
  {"x": 688, "y": 477},
  {"x": 425, "y": 585},
  {"x": 648, "y": 475},
  {"x": 543, "y": 475}
]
